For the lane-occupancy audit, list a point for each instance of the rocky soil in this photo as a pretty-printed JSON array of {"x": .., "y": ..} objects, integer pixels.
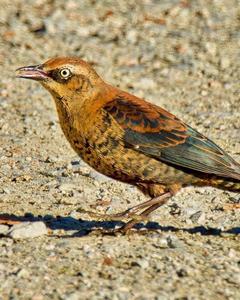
[{"x": 183, "y": 55}]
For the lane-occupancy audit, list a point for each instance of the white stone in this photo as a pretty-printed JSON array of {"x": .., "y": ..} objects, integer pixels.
[{"x": 28, "y": 230}]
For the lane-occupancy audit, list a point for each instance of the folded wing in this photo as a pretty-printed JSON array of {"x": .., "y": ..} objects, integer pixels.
[{"x": 157, "y": 133}]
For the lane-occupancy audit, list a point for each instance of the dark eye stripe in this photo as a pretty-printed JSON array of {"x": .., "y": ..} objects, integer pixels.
[{"x": 55, "y": 74}]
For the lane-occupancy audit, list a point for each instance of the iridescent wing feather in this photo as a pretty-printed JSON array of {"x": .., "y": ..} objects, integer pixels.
[{"x": 155, "y": 132}]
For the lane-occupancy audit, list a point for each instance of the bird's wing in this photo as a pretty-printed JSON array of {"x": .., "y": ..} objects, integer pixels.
[{"x": 155, "y": 132}]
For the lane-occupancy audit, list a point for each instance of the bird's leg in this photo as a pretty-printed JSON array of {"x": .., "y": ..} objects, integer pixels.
[
  {"x": 128, "y": 212},
  {"x": 156, "y": 203},
  {"x": 133, "y": 210}
]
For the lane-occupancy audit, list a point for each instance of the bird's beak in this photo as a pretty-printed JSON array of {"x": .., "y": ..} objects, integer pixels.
[{"x": 31, "y": 72}]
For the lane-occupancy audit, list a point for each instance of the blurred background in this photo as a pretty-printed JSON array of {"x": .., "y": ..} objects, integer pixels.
[{"x": 127, "y": 39}]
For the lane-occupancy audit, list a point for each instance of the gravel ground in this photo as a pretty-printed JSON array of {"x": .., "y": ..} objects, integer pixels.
[{"x": 183, "y": 55}]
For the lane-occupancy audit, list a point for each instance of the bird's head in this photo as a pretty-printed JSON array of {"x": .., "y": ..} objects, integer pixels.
[{"x": 63, "y": 77}]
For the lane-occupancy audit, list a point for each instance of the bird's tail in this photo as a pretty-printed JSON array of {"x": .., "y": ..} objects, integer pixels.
[
  {"x": 228, "y": 184},
  {"x": 224, "y": 183}
]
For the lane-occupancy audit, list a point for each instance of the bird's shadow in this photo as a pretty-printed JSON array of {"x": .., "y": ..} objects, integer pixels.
[{"x": 81, "y": 227}]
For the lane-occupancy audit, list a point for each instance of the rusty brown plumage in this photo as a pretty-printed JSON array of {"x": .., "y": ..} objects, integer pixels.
[{"x": 129, "y": 139}]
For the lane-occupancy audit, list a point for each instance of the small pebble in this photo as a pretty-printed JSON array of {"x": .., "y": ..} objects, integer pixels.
[
  {"x": 163, "y": 243},
  {"x": 66, "y": 187},
  {"x": 23, "y": 273},
  {"x": 143, "y": 263},
  {"x": 174, "y": 242},
  {"x": 3, "y": 229}
]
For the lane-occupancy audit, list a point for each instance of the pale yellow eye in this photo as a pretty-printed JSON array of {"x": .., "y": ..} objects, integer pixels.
[{"x": 65, "y": 73}]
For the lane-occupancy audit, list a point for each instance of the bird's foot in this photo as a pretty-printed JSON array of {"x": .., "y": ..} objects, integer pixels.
[
  {"x": 131, "y": 214},
  {"x": 150, "y": 205}
]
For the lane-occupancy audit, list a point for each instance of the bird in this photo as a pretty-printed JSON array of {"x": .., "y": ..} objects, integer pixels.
[{"x": 129, "y": 139}]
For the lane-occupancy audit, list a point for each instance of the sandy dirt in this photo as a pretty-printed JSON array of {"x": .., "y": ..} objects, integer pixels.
[{"x": 182, "y": 55}]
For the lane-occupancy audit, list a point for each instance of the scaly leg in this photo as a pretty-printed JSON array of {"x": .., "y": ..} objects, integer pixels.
[{"x": 156, "y": 203}]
